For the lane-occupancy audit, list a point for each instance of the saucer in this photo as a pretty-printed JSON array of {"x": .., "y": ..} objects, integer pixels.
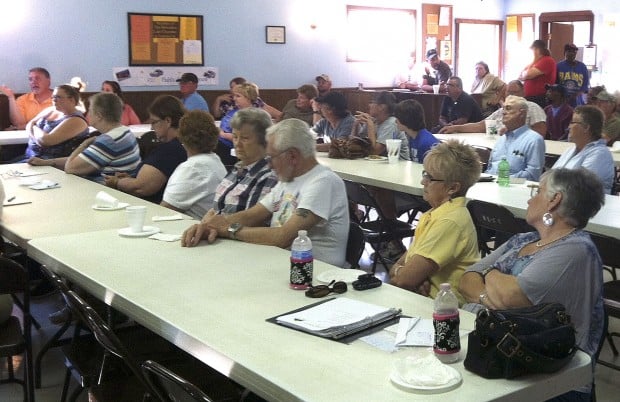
[
  {"x": 376, "y": 158},
  {"x": 146, "y": 231},
  {"x": 120, "y": 205}
]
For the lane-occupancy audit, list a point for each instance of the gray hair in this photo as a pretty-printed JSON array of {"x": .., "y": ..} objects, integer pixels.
[
  {"x": 582, "y": 190},
  {"x": 293, "y": 133},
  {"x": 108, "y": 105},
  {"x": 518, "y": 101},
  {"x": 257, "y": 119}
]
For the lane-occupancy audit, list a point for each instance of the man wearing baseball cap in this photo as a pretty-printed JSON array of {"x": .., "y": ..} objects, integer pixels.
[
  {"x": 441, "y": 72},
  {"x": 323, "y": 84},
  {"x": 573, "y": 75},
  {"x": 192, "y": 100}
]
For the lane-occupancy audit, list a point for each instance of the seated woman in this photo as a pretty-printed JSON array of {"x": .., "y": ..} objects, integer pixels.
[
  {"x": 556, "y": 263},
  {"x": 332, "y": 118},
  {"x": 251, "y": 178},
  {"x": 244, "y": 95},
  {"x": 52, "y": 130},
  {"x": 590, "y": 150},
  {"x": 129, "y": 116},
  {"x": 445, "y": 240},
  {"x": 115, "y": 150},
  {"x": 191, "y": 187},
  {"x": 149, "y": 183}
]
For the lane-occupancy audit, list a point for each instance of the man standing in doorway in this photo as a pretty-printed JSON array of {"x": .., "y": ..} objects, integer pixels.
[{"x": 573, "y": 75}]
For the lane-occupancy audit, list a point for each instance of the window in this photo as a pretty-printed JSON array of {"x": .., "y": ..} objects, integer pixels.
[
  {"x": 379, "y": 34},
  {"x": 469, "y": 34}
]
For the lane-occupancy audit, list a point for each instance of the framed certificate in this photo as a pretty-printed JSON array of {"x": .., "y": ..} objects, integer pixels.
[{"x": 275, "y": 34}]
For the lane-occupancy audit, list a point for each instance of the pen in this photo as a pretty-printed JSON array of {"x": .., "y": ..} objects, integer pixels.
[{"x": 10, "y": 199}]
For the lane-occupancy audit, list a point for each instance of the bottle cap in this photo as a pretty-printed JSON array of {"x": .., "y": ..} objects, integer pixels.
[
  {"x": 302, "y": 233},
  {"x": 444, "y": 286}
]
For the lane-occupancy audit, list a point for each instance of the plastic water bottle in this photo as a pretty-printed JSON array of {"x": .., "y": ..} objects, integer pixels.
[
  {"x": 301, "y": 261},
  {"x": 503, "y": 173},
  {"x": 446, "y": 322}
]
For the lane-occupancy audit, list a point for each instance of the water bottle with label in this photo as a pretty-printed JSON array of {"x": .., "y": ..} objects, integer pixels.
[
  {"x": 503, "y": 172},
  {"x": 301, "y": 261},
  {"x": 446, "y": 322}
]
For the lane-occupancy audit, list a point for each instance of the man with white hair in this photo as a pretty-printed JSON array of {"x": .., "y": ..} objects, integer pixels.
[
  {"x": 308, "y": 196},
  {"x": 523, "y": 147}
]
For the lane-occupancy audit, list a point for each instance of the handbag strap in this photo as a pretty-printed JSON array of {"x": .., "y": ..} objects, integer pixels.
[{"x": 511, "y": 347}]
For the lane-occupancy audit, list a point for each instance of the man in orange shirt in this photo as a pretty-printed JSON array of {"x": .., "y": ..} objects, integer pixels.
[{"x": 27, "y": 106}]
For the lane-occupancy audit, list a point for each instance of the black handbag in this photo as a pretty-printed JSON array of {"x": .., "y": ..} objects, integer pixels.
[{"x": 510, "y": 343}]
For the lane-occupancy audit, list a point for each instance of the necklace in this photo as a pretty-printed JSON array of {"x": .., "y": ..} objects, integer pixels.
[{"x": 539, "y": 244}]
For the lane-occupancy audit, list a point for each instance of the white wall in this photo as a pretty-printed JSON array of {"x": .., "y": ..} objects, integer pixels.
[{"x": 87, "y": 38}]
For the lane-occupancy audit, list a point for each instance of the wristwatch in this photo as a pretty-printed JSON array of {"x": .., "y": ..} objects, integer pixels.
[
  {"x": 483, "y": 296},
  {"x": 233, "y": 229},
  {"x": 486, "y": 271}
]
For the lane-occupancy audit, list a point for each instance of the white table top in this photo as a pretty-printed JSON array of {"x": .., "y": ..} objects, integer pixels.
[
  {"x": 67, "y": 209},
  {"x": 213, "y": 300},
  {"x": 14, "y": 137},
  {"x": 551, "y": 147},
  {"x": 406, "y": 176}
]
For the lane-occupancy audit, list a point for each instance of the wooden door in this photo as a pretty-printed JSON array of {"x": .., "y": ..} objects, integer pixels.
[{"x": 559, "y": 35}]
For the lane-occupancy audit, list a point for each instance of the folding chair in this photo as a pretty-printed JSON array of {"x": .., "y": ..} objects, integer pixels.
[
  {"x": 380, "y": 230},
  {"x": 494, "y": 223},
  {"x": 169, "y": 386},
  {"x": 16, "y": 339},
  {"x": 355, "y": 245}
]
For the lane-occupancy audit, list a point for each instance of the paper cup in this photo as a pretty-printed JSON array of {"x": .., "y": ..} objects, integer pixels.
[
  {"x": 491, "y": 127},
  {"x": 135, "y": 218},
  {"x": 393, "y": 150},
  {"x": 105, "y": 200},
  {"x": 436, "y": 89}
]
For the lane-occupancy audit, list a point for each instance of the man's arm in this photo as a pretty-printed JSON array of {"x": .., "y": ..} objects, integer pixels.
[{"x": 478, "y": 127}]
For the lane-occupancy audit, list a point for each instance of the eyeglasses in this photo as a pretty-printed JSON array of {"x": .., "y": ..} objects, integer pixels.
[
  {"x": 270, "y": 158},
  {"x": 323, "y": 290},
  {"x": 427, "y": 177},
  {"x": 534, "y": 190}
]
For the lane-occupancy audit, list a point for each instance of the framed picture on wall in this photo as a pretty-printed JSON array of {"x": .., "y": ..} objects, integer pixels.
[
  {"x": 275, "y": 34},
  {"x": 165, "y": 40}
]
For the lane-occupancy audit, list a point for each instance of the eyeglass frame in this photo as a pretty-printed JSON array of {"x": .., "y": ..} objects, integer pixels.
[
  {"x": 270, "y": 158},
  {"x": 319, "y": 291},
  {"x": 534, "y": 190},
  {"x": 427, "y": 177}
]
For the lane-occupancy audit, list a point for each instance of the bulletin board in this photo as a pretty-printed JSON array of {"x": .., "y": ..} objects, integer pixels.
[
  {"x": 165, "y": 40},
  {"x": 437, "y": 30}
]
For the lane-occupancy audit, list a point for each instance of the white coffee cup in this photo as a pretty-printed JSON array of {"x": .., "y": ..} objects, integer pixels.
[
  {"x": 393, "y": 150},
  {"x": 491, "y": 127},
  {"x": 436, "y": 88},
  {"x": 135, "y": 218},
  {"x": 105, "y": 200}
]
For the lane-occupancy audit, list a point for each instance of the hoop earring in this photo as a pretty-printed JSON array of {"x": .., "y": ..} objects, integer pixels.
[{"x": 547, "y": 219}]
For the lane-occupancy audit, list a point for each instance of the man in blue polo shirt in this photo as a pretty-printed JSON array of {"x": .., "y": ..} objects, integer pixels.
[{"x": 192, "y": 100}]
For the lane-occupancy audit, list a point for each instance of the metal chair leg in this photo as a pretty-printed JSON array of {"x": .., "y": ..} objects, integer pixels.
[{"x": 53, "y": 342}]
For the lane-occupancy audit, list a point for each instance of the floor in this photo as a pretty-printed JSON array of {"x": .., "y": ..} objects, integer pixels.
[{"x": 607, "y": 380}]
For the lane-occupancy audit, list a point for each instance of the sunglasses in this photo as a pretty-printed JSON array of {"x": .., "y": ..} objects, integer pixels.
[{"x": 324, "y": 290}]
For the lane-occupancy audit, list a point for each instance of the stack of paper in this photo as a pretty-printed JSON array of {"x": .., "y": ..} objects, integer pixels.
[{"x": 338, "y": 317}]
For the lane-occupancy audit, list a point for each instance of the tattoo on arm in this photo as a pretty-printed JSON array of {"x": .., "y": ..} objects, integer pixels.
[{"x": 304, "y": 213}]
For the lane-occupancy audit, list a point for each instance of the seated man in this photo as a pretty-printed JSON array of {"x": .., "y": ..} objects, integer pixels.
[
  {"x": 301, "y": 107},
  {"x": 192, "y": 100},
  {"x": 559, "y": 113},
  {"x": 28, "y": 106},
  {"x": 536, "y": 118},
  {"x": 440, "y": 74},
  {"x": 607, "y": 103},
  {"x": 115, "y": 150},
  {"x": 522, "y": 146},
  {"x": 308, "y": 196},
  {"x": 458, "y": 107}
]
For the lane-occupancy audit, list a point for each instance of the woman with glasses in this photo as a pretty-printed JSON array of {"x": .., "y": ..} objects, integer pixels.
[
  {"x": 556, "y": 263},
  {"x": 54, "y": 128},
  {"x": 445, "y": 242},
  {"x": 590, "y": 151},
  {"x": 152, "y": 176}
]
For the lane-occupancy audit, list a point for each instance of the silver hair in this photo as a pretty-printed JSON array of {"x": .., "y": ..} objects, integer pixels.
[
  {"x": 582, "y": 191},
  {"x": 293, "y": 133},
  {"x": 518, "y": 101},
  {"x": 257, "y": 119}
]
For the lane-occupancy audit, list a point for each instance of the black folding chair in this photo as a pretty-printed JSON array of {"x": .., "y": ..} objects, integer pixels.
[
  {"x": 355, "y": 245},
  {"x": 380, "y": 230},
  {"x": 171, "y": 387}
]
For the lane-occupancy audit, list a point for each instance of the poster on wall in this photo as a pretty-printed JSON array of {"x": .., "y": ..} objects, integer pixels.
[
  {"x": 161, "y": 76},
  {"x": 165, "y": 40}
]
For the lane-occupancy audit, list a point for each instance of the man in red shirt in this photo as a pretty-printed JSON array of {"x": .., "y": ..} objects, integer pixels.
[{"x": 540, "y": 72}]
